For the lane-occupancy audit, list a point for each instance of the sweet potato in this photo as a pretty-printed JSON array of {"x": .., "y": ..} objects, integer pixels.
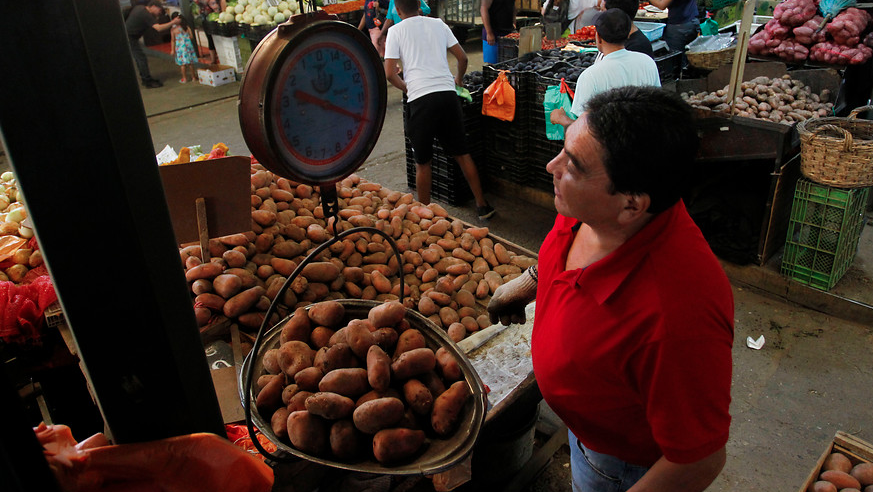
[
  {"x": 288, "y": 393},
  {"x": 298, "y": 400},
  {"x": 327, "y": 313},
  {"x": 386, "y": 338},
  {"x": 321, "y": 336},
  {"x": 321, "y": 271},
  {"x": 294, "y": 356},
  {"x": 837, "y": 461},
  {"x": 351, "y": 382},
  {"x": 279, "y": 422},
  {"x": 447, "y": 408},
  {"x": 395, "y": 445},
  {"x": 378, "y": 414},
  {"x": 863, "y": 473},
  {"x": 270, "y": 396},
  {"x": 271, "y": 361},
  {"x": 387, "y": 314},
  {"x": 212, "y": 301},
  {"x": 822, "y": 486},
  {"x": 308, "y": 433},
  {"x": 330, "y": 405},
  {"x": 378, "y": 368},
  {"x": 243, "y": 301},
  {"x": 339, "y": 356},
  {"x": 413, "y": 362},
  {"x": 204, "y": 270}
]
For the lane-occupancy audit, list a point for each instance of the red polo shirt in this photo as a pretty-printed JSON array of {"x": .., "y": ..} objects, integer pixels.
[{"x": 634, "y": 352}]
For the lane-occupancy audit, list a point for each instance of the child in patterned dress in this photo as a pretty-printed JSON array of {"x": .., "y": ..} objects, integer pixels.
[{"x": 183, "y": 48}]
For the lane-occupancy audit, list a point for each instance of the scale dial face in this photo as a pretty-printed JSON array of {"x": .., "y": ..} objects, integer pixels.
[{"x": 325, "y": 103}]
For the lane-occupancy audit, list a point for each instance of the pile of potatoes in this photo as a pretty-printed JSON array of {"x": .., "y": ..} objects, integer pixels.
[
  {"x": 449, "y": 270},
  {"x": 12, "y": 215},
  {"x": 780, "y": 100},
  {"x": 840, "y": 474},
  {"x": 332, "y": 390}
]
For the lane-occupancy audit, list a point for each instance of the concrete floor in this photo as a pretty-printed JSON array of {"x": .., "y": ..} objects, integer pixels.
[{"x": 812, "y": 378}]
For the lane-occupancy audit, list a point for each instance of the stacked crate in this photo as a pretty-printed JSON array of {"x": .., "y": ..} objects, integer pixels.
[
  {"x": 823, "y": 233},
  {"x": 448, "y": 183}
]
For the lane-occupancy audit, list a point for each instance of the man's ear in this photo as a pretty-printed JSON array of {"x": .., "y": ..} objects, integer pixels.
[{"x": 635, "y": 206}]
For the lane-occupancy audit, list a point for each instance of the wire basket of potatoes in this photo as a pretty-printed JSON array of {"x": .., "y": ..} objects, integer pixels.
[{"x": 364, "y": 386}]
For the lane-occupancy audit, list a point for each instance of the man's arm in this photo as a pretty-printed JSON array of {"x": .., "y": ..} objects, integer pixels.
[
  {"x": 461, "y": 56},
  {"x": 486, "y": 21},
  {"x": 385, "y": 25},
  {"x": 560, "y": 117},
  {"x": 661, "y": 4},
  {"x": 166, "y": 25},
  {"x": 692, "y": 477},
  {"x": 391, "y": 74}
]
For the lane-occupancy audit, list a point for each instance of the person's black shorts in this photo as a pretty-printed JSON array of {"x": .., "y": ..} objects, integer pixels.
[{"x": 436, "y": 115}]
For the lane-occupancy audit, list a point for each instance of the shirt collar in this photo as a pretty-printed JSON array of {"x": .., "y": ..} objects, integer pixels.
[{"x": 603, "y": 277}]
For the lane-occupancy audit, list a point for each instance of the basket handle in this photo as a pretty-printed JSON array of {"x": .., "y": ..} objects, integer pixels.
[
  {"x": 857, "y": 110},
  {"x": 847, "y": 135}
]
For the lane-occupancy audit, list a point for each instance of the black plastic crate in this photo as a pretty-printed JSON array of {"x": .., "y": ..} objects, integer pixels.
[
  {"x": 507, "y": 48},
  {"x": 669, "y": 65},
  {"x": 447, "y": 180}
]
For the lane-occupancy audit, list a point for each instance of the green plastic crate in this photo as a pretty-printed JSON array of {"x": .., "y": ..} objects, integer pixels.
[{"x": 823, "y": 233}]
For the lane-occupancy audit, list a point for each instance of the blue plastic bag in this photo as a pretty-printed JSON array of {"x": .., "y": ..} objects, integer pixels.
[{"x": 556, "y": 97}]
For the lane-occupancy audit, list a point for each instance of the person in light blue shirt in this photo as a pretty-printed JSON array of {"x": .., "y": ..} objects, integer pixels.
[
  {"x": 394, "y": 18},
  {"x": 618, "y": 68}
]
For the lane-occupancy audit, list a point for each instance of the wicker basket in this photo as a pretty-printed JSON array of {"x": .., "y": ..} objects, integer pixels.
[
  {"x": 837, "y": 151},
  {"x": 710, "y": 60}
]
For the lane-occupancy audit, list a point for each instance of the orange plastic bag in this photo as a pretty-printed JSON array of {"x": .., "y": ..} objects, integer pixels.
[{"x": 499, "y": 99}]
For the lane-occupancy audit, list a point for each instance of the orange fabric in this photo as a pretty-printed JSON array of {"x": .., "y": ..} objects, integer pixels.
[{"x": 499, "y": 99}]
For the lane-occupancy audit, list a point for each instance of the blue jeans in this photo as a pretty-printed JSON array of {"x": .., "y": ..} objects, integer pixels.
[
  {"x": 596, "y": 472},
  {"x": 677, "y": 36}
]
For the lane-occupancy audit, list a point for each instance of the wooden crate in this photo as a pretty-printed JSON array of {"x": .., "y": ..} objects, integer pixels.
[
  {"x": 527, "y": 5},
  {"x": 857, "y": 450}
]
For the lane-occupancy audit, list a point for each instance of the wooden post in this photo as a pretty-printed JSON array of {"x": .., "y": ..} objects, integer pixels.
[
  {"x": 739, "y": 64},
  {"x": 202, "y": 229}
]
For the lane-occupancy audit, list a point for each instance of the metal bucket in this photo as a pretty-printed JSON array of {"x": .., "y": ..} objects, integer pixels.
[
  {"x": 440, "y": 454},
  {"x": 505, "y": 447}
]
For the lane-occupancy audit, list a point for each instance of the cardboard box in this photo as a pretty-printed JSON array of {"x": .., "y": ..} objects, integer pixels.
[
  {"x": 855, "y": 449},
  {"x": 216, "y": 75},
  {"x": 228, "y": 52}
]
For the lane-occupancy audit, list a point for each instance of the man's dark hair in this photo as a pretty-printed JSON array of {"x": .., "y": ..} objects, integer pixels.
[
  {"x": 155, "y": 3},
  {"x": 629, "y": 7},
  {"x": 407, "y": 6},
  {"x": 613, "y": 26},
  {"x": 649, "y": 141}
]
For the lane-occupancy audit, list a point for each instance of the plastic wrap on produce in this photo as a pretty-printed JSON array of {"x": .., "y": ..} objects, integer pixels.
[{"x": 505, "y": 361}]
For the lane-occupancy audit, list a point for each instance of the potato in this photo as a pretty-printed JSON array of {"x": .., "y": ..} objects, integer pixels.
[
  {"x": 345, "y": 440},
  {"x": 339, "y": 356},
  {"x": 320, "y": 336},
  {"x": 841, "y": 479},
  {"x": 409, "y": 340},
  {"x": 279, "y": 422},
  {"x": 378, "y": 368},
  {"x": 298, "y": 401},
  {"x": 372, "y": 416},
  {"x": 227, "y": 285},
  {"x": 373, "y": 394},
  {"x": 270, "y": 396},
  {"x": 394, "y": 445},
  {"x": 387, "y": 314},
  {"x": 204, "y": 270},
  {"x": 297, "y": 327},
  {"x": 448, "y": 365},
  {"x": 433, "y": 382},
  {"x": 271, "y": 361},
  {"x": 288, "y": 393},
  {"x": 330, "y": 405},
  {"x": 294, "y": 356},
  {"x": 418, "y": 397},
  {"x": 413, "y": 362},
  {"x": 447, "y": 408},
  {"x": 308, "y": 433},
  {"x": 243, "y": 302},
  {"x": 210, "y": 301},
  {"x": 386, "y": 338},
  {"x": 308, "y": 379},
  {"x": 323, "y": 272},
  {"x": 327, "y": 313},
  {"x": 863, "y": 473},
  {"x": 351, "y": 382},
  {"x": 359, "y": 338},
  {"x": 822, "y": 486}
]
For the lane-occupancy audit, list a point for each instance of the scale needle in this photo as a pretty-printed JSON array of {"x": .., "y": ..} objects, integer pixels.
[{"x": 306, "y": 97}]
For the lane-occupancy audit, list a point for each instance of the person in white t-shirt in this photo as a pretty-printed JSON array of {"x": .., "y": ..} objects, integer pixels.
[
  {"x": 419, "y": 44},
  {"x": 618, "y": 67}
]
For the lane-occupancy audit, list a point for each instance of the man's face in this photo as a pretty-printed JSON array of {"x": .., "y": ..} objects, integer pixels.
[
  {"x": 580, "y": 179},
  {"x": 155, "y": 10}
]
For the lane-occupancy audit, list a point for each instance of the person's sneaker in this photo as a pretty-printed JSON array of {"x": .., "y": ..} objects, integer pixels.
[
  {"x": 152, "y": 84},
  {"x": 486, "y": 212}
]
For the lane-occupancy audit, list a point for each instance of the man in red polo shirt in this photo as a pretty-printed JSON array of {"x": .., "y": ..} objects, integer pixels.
[{"x": 634, "y": 318}]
